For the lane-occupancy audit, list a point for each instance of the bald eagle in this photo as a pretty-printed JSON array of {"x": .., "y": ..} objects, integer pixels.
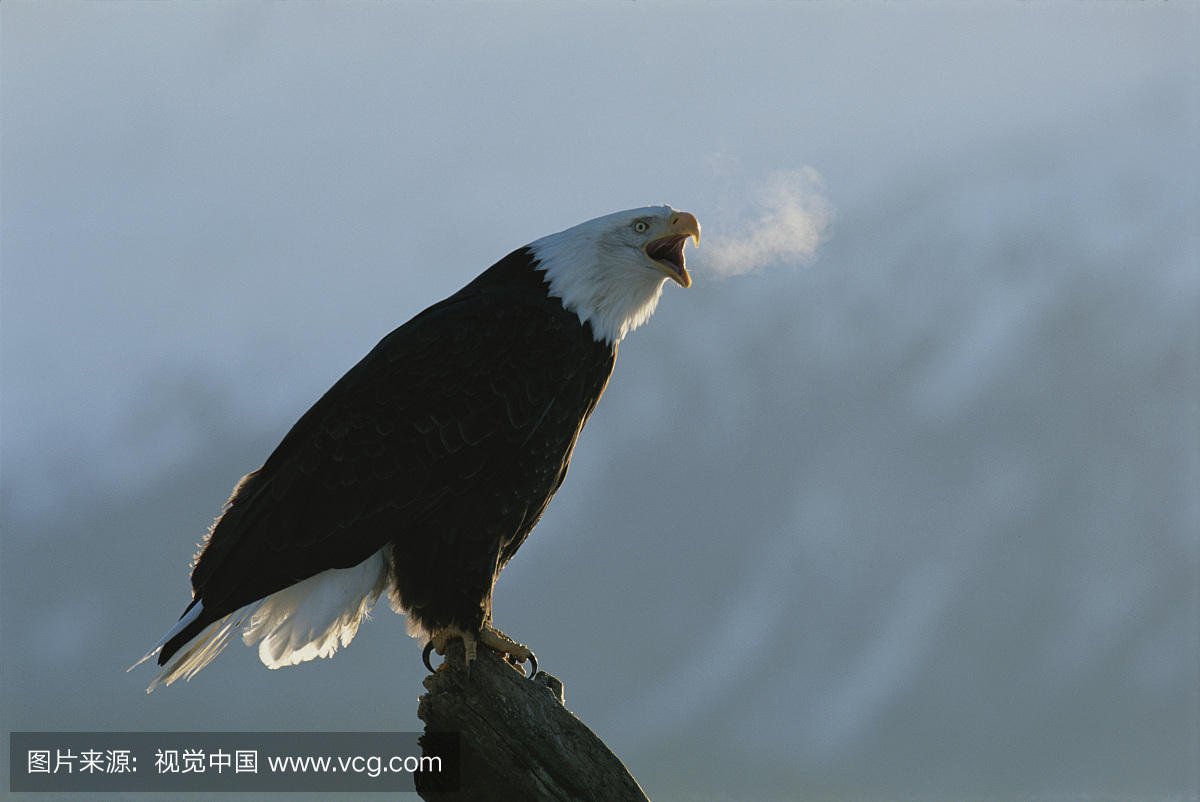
[{"x": 424, "y": 468}]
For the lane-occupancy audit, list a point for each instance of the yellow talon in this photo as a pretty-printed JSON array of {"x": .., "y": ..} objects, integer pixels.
[{"x": 490, "y": 637}]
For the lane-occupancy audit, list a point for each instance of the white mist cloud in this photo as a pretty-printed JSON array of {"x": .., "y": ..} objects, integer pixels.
[{"x": 784, "y": 224}]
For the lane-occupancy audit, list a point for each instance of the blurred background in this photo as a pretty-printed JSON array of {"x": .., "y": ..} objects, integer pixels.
[{"x": 914, "y": 515}]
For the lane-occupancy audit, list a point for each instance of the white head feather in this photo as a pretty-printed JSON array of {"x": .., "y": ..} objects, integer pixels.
[{"x": 610, "y": 271}]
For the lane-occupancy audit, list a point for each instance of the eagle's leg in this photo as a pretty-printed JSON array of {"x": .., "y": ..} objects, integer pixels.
[
  {"x": 441, "y": 640},
  {"x": 489, "y": 636},
  {"x": 501, "y": 644}
]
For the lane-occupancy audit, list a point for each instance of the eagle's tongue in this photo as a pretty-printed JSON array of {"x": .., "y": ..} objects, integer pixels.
[{"x": 670, "y": 250}]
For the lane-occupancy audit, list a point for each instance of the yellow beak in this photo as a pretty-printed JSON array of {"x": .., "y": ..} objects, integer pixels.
[{"x": 667, "y": 251}]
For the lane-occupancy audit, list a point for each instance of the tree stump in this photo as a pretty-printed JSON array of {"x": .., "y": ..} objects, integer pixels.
[{"x": 517, "y": 740}]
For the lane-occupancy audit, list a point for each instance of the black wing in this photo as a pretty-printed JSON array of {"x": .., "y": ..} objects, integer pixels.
[{"x": 441, "y": 405}]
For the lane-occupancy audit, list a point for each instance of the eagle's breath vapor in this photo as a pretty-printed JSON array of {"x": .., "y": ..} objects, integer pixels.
[{"x": 784, "y": 226}]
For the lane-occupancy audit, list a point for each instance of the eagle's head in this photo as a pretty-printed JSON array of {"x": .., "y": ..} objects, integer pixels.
[{"x": 610, "y": 271}]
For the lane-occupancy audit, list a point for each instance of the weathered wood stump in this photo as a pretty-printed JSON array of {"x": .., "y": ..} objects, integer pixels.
[{"x": 517, "y": 739}]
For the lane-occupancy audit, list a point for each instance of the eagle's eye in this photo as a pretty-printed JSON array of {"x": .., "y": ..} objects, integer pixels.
[{"x": 641, "y": 226}]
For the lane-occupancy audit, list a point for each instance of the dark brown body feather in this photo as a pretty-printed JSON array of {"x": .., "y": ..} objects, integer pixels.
[{"x": 446, "y": 443}]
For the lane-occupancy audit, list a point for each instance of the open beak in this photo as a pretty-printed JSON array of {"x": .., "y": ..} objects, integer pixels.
[{"x": 667, "y": 252}]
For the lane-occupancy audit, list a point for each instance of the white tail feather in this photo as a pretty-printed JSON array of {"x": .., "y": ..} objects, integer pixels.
[
  {"x": 296, "y": 624},
  {"x": 187, "y": 618},
  {"x": 310, "y": 618},
  {"x": 204, "y": 647}
]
